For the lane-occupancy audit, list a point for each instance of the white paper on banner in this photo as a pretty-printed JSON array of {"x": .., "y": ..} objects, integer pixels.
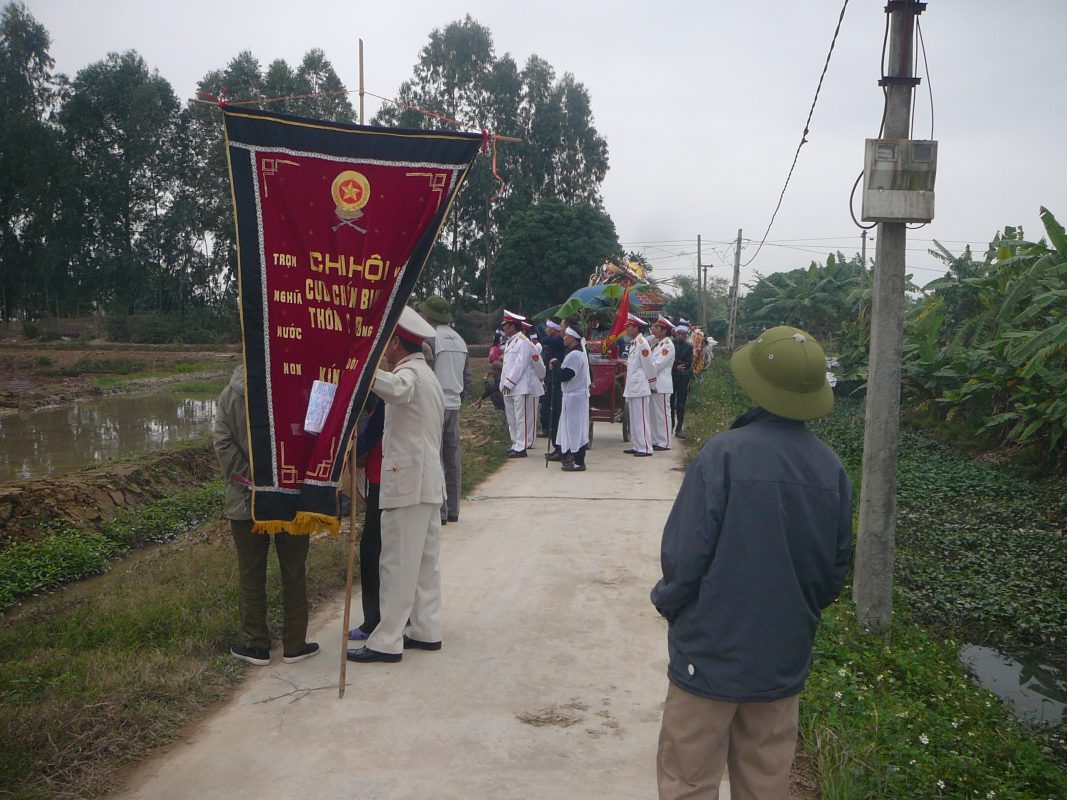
[{"x": 319, "y": 403}]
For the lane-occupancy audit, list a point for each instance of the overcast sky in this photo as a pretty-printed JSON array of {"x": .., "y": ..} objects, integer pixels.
[{"x": 701, "y": 102}]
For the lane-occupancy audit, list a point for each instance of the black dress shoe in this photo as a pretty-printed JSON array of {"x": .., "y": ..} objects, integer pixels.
[
  {"x": 415, "y": 644},
  {"x": 642, "y": 455},
  {"x": 555, "y": 455},
  {"x": 657, "y": 447},
  {"x": 516, "y": 454},
  {"x": 629, "y": 451},
  {"x": 367, "y": 656},
  {"x": 453, "y": 519}
]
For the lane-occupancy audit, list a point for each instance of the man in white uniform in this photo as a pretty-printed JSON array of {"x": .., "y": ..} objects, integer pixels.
[
  {"x": 520, "y": 385},
  {"x": 412, "y": 490},
  {"x": 572, "y": 436},
  {"x": 660, "y": 403},
  {"x": 640, "y": 386}
]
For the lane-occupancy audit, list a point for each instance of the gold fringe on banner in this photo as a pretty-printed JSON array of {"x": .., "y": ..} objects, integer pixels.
[{"x": 304, "y": 524}]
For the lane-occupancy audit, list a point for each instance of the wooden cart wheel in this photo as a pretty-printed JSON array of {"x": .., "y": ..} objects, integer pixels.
[{"x": 625, "y": 423}]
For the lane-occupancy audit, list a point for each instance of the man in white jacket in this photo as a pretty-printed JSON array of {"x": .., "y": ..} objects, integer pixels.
[
  {"x": 660, "y": 403},
  {"x": 412, "y": 490},
  {"x": 641, "y": 383},
  {"x": 520, "y": 385}
]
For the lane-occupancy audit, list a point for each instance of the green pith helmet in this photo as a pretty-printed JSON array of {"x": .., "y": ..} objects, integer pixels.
[
  {"x": 436, "y": 308},
  {"x": 784, "y": 371}
]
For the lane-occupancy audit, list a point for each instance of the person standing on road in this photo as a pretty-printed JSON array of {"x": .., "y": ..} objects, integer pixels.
[
  {"x": 757, "y": 544},
  {"x": 452, "y": 368},
  {"x": 680, "y": 377},
  {"x": 572, "y": 440},
  {"x": 368, "y": 456},
  {"x": 553, "y": 350},
  {"x": 230, "y": 441},
  {"x": 412, "y": 490},
  {"x": 660, "y": 404},
  {"x": 520, "y": 385},
  {"x": 640, "y": 386}
]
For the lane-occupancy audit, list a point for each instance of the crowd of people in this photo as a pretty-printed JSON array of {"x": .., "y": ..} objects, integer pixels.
[
  {"x": 757, "y": 543},
  {"x": 537, "y": 380}
]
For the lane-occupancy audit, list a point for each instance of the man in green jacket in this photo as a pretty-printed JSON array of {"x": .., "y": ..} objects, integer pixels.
[{"x": 231, "y": 448}]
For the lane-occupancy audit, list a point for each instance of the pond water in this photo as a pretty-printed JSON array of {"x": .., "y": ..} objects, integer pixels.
[
  {"x": 60, "y": 440},
  {"x": 1037, "y": 692}
]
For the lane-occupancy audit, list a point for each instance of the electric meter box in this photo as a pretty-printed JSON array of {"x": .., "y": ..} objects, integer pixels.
[{"x": 898, "y": 180}]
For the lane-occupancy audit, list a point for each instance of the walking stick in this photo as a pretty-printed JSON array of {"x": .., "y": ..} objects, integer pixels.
[{"x": 348, "y": 579}]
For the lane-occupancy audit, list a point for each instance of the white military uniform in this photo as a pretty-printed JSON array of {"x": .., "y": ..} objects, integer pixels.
[
  {"x": 660, "y": 415},
  {"x": 640, "y": 380},
  {"x": 521, "y": 387},
  {"x": 573, "y": 432}
]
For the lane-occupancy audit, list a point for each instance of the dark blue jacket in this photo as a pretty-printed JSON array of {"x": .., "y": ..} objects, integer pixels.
[{"x": 757, "y": 544}]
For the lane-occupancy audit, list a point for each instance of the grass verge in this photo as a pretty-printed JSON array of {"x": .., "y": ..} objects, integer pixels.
[
  {"x": 979, "y": 555},
  {"x": 95, "y": 677}
]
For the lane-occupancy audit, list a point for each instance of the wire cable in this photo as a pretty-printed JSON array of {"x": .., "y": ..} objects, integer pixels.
[
  {"x": 926, "y": 69},
  {"x": 804, "y": 135}
]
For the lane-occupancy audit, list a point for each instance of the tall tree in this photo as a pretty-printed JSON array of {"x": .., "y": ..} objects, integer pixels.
[
  {"x": 550, "y": 250},
  {"x": 36, "y": 175},
  {"x": 121, "y": 125},
  {"x": 459, "y": 76}
]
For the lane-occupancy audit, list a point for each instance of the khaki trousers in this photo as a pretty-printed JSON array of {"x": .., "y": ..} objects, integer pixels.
[
  {"x": 410, "y": 571},
  {"x": 756, "y": 741}
]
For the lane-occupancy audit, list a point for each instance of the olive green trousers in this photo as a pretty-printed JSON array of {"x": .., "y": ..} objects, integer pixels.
[{"x": 252, "y": 551}]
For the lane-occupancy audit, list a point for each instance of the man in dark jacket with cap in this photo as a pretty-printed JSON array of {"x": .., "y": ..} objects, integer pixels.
[{"x": 757, "y": 544}]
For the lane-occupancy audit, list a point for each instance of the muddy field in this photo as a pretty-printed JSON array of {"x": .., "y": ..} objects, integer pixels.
[{"x": 35, "y": 375}]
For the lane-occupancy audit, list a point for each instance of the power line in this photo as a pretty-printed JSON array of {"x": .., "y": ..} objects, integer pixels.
[{"x": 804, "y": 135}]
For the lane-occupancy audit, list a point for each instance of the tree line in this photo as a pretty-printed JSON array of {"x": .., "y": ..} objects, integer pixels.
[{"x": 115, "y": 199}]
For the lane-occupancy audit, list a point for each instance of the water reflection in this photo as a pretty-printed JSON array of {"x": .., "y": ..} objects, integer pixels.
[
  {"x": 60, "y": 440},
  {"x": 1037, "y": 692}
]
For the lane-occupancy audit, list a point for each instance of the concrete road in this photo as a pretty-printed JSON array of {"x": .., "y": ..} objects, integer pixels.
[{"x": 550, "y": 683}]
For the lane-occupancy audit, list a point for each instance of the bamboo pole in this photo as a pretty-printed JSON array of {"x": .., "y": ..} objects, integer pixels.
[
  {"x": 361, "y": 89},
  {"x": 351, "y": 569}
]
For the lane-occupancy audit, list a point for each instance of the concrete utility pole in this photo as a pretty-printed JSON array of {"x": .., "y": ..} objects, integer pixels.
[
  {"x": 702, "y": 278},
  {"x": 734, "y": 289},
  {"x": 872, "y": 587}
]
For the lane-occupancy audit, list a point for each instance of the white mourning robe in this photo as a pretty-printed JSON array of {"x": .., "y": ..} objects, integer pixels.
[{"x": 573, "y": 432}]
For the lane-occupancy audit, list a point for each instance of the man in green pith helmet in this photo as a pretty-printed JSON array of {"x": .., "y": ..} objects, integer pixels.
[{"x": 757, "y": 544}]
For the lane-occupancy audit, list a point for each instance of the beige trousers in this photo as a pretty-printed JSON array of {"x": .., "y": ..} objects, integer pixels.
[
  {"x": 699, "y": 737},
  {"x": 410, "y": 571}
]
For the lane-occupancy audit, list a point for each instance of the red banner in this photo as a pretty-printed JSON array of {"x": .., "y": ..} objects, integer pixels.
[{"x": 334, "y": 225}]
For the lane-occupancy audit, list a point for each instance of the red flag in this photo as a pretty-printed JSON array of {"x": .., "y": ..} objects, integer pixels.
[{"x": 620, "y": 319}]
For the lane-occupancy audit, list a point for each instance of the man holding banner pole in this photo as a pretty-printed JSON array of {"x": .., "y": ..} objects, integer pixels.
[{"x": 412, "y": 490}]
